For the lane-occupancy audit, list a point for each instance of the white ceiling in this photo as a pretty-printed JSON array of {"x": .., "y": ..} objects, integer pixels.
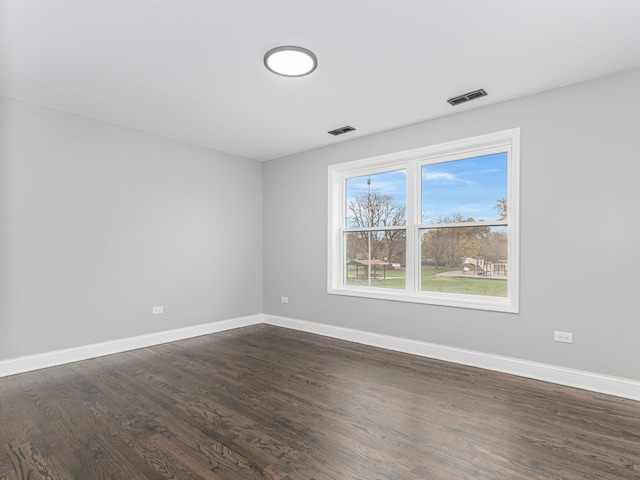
[{"x": 192, "y": 70}]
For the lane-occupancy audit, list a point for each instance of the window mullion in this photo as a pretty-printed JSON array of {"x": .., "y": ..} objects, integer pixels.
[{"x": 413, "y": 207}]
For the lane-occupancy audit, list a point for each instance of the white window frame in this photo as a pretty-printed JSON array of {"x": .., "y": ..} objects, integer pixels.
[{"x": 412, "y": 160}]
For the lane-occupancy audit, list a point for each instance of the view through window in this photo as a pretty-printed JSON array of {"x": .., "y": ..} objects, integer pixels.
[
  {"x": 464, "y": 229},
  {"x": 376, "y": 216}
]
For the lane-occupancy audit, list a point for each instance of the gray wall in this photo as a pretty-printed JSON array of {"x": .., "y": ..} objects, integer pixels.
[
  {"x": 580, "y": 242},
  {"x": 99, "y": 223}
]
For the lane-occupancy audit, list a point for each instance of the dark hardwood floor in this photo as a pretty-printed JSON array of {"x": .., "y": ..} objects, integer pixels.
[{"x": 268, "y": 403}]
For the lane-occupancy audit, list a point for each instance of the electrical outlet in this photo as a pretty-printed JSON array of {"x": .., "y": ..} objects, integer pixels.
[
  {"x": 157, "y": 310},
  {"x": 564, "y": 337},
  {"x": 284, "y": 299}
]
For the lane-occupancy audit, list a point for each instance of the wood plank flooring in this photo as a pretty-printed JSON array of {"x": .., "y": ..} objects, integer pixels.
[{"x": 268, "y": 403}]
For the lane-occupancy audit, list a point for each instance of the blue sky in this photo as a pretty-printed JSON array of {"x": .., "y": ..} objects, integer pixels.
[
  {"x": 392, "y": 183},
  {"x": 468, "y": 187}
]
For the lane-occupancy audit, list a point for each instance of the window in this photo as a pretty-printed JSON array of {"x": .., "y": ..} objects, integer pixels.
[{"x": 435, "y": 225}]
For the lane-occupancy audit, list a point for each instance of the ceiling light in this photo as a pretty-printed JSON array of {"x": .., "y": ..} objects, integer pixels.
[{"x": 290, "y": 61}]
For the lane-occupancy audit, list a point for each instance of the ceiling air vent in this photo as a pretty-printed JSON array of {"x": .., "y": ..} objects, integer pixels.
[
  {"x": 340, "y": 131},
  {"x": 466, "y": 97}
]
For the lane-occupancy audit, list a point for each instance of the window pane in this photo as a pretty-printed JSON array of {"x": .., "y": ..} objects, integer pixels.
[
  {"x": 473, "y": 188},
  {"x": 376, "y": 258},
  {"x": 471, "y": 260},
  {"x": 377, "y": 200}
]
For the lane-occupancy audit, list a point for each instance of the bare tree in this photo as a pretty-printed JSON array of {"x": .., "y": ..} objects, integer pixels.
[
  {"x": 501, "y": 208},
  {"x": 375, "y": 209},
  {"x": 448, "y": 245}
]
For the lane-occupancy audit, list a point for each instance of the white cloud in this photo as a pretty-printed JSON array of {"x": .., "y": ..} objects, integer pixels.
[{"x": 443, "y": 177}]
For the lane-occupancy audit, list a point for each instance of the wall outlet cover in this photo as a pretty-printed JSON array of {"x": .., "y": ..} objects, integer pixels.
[{"x": 564, "y": 337}]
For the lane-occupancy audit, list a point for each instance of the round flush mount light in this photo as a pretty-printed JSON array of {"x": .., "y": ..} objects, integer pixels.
[{"x": 290, "y": 61}]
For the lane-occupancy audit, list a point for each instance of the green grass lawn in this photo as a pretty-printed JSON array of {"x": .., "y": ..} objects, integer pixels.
[
  {"x": 390, "y": 279},
  {"x": 472, "y": 284}
]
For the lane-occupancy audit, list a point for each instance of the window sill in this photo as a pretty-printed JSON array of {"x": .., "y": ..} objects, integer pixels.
[{"x": 477, "y": 302}]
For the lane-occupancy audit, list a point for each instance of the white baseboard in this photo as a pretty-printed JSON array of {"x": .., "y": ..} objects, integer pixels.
[
  {"x": 620, "y": 387},
  {"x": 85, "y": 352}
]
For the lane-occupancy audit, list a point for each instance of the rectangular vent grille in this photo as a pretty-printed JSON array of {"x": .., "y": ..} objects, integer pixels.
[
  {"x": 340, "y": 131},
  {"x": 466, "y": 97}
]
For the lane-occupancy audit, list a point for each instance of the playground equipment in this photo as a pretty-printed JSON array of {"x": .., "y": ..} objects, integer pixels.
[{"x": 485, "y": 267}]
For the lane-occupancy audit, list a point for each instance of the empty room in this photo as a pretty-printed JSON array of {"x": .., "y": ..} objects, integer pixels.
[{"x": 295, "y": 240}]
